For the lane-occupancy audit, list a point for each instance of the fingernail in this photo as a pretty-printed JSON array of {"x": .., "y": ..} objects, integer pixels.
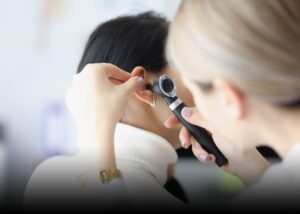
[
  {"x": 140, "y": 81},
  {"x": 203, "y": 158},
  {"x": 186, "y": 112},
  {"x": 166, "y": 124},
  {"x": 210, "y": 158},
  {"x": 182, "y": 143}
]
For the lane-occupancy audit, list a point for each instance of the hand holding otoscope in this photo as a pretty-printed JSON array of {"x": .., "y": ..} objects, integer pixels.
[{"x": 165, "y": 87}]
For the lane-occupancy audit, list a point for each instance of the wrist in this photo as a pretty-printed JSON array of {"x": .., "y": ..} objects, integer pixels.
[
  {"x": 99, "y": 133},
  {"x": 102, "y": 122},
  {"x": 102, "y": 134},
  {"x": 96, "y": 126}
]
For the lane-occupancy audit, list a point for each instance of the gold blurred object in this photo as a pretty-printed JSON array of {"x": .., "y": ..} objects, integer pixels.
[{"x": 107, "y": 175}]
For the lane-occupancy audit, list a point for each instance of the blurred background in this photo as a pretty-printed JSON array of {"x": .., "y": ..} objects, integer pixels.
[{"x": 41, "y": 42}]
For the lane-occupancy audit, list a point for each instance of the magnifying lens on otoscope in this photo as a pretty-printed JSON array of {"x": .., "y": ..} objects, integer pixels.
[{"x": 164, "y": 86}]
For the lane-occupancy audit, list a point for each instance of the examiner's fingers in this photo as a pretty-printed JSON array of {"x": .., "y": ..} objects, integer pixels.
[
  {"x": 100, "y": 72},
  {"x": 192, "y": 115},
  {"x": 185, "y": 138},
  {"x": 171, "y": 122},
  {"x": 201, "y": 154},
  {"x": 116, "y": 72},
  {"x": 131, "y": 85}
]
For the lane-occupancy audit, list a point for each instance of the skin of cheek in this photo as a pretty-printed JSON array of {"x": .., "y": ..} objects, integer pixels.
[
  {"x": 198, "y": 96},
  {"x": 207, "y": 104},
  {"x": 212, "y": 112}
]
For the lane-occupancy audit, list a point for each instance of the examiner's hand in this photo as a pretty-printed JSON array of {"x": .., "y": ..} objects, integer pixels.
[
  {"x": 99, "y": 94},
  {"x": 248, "y": 165}
]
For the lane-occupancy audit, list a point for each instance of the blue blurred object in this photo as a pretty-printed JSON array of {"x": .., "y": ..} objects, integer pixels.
[{"x": 56, "y": 131}]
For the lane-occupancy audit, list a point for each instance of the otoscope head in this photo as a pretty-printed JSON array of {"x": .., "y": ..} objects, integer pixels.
[{"x": 164, "y": 86}]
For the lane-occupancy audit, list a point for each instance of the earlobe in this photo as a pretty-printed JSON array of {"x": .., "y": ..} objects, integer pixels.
[{"x": 232, "y": 99}]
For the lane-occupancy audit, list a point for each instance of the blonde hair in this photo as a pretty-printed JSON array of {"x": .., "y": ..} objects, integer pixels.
[{"x": 254, "y": 44}]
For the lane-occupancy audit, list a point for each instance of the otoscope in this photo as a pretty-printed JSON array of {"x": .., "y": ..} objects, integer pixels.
[{"x": 164, "y": 86}]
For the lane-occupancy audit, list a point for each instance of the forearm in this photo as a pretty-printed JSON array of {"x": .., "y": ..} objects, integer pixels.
[
  {"x": 103, "y": 136},
  {"x": 100, "y": 137}
]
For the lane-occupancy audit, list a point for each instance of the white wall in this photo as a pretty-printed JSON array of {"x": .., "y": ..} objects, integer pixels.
[{"x": 41, "y": 42}]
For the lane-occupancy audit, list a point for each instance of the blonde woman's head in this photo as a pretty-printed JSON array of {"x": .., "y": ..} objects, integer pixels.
[{"x": 249, "y": 49}]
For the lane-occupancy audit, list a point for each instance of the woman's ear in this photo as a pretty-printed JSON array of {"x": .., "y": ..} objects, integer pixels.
[
  {"x": 232, "y": 99},
  {"x": 145, "y": 95},
  {"x": 138, "y": 71}
]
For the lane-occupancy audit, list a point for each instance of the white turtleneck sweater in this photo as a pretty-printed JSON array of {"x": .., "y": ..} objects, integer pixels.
[{"x": 142, "y": 157}]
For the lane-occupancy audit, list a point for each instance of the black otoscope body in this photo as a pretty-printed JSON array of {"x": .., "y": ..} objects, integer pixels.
[{"x": 165, "y": 87}]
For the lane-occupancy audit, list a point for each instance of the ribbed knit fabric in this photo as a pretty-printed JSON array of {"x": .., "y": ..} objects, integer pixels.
[
  {"x": 143, "y": 158},
  {"x": 145, "y": 150}
]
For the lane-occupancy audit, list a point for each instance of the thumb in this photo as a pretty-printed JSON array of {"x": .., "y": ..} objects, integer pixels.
[
  {"x": 133, "y": 84},
  {"x": 192, "y": 115}
]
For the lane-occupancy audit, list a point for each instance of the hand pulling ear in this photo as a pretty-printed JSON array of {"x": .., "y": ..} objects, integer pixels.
[
  {"x": 138, "y": 71},
  {"x": 145, "y": 95}
]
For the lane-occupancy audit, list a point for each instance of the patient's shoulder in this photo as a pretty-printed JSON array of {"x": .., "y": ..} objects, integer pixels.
[
  {"x": 52, "y": 169},
  {"x": 50, "y": 177},
  {"x": 57, "y": 163},
  {"x": 54, "y": 163}
]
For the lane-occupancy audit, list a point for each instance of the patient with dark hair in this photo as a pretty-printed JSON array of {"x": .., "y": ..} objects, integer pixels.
[{"x": 145, "y": 149}]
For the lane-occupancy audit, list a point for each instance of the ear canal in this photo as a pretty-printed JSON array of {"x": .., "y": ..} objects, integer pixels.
[{"x": 148, "y": 86}]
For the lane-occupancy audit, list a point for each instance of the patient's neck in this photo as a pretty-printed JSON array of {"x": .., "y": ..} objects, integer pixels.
[
  {"x": 143, "y": 116},
  {"x": 279, "y": 128}
]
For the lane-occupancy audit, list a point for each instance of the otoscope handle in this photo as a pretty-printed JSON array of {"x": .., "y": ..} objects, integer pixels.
[{"x": 202, "y": 137}]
